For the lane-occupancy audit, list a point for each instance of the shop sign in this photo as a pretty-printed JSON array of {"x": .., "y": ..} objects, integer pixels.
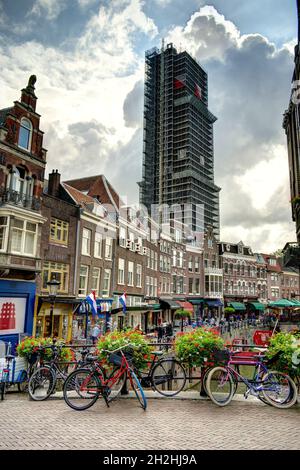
[{"x": 12, "y": 315}]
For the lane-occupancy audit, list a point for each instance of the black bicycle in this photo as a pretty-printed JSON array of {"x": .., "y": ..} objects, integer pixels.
[
  {"x": 166, "y": 375},
  {"x": 44, "y": 380}
]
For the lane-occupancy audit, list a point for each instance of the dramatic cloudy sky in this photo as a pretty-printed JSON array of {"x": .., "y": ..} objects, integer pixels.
[{"x": 88, "y": 56}]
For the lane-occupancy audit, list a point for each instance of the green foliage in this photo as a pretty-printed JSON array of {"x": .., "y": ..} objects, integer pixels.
[
  {"x": 288, "y": 345},
  {"x": 116, "y": 339},
  {"x": 29, "y": 347},
  {"x": 195, "y": 348},
  {"x": 181, "y": 313}
]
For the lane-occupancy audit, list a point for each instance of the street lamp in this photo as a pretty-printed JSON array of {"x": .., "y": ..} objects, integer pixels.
[{"x": 53, "y": 289}]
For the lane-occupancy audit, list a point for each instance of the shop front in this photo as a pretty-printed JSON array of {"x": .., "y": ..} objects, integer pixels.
[
  {"x": 61, "y": 319},
  {"x": 17, "y": 299},
  {"x": 168, "y": 308}
]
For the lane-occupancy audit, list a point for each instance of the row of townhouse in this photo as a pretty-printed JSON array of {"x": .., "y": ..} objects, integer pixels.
[{"x": 80, "y": 233}]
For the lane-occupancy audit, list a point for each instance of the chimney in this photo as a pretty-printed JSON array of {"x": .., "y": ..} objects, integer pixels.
[
  {"x": 54, "y": 183},
  {"x": 28, "y": 97}
]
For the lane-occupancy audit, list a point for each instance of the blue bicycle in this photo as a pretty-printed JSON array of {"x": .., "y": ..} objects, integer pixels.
[{"x": 271, "y": 387}]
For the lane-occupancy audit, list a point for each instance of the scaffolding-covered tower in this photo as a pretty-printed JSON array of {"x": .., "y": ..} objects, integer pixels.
[{"x": 178, "y": 152}]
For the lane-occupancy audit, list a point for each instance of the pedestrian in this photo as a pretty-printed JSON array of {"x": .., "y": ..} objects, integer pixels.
[{"x": 95, "y": 333}]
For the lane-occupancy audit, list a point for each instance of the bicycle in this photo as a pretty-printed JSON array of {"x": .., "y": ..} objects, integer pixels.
[
  {"x": 271, "y": 387},
  {"x": 83, "y": 387},
  {"x": 43, "y": 381},
  {"x": 166, "y": 375}
]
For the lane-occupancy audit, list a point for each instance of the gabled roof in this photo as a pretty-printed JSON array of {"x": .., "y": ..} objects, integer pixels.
[
  {"x": 97, "y": 187},
  {"x": 80, "y": 198}
]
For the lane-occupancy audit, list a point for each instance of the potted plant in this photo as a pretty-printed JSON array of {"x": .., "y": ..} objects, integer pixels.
[
  {"x": 29, "y": 347},
  {"x": 196, "y": 348},
  {"x": 182, "y": 314},
  {"x": 116, "y": 339}
]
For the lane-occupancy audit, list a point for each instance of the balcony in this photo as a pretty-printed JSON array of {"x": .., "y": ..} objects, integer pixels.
[
  {"x": 9, "y": 196},
  {"x": 213, "y": 271},
  {"x": 291, "y": 255},
  {"x": 213, "y": 295}
]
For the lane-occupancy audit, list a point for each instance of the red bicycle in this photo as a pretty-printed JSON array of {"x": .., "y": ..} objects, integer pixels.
[{"x": 84, "y": 386}]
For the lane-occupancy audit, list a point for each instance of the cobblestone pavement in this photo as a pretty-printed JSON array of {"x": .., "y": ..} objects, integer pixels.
[{"x": 167, "y": 424}]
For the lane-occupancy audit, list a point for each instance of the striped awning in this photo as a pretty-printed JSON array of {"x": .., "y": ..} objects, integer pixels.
[{"x": 186, "y": 305}]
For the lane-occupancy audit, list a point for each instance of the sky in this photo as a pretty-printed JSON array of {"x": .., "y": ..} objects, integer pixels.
[{"x": 88, "y": 56}]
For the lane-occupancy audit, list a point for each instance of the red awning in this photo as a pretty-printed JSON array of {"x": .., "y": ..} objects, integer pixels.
[{"x": 186, "y": 305}]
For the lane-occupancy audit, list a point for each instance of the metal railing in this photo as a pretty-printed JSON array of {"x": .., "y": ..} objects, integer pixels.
[{"x": 9, "y": 196}]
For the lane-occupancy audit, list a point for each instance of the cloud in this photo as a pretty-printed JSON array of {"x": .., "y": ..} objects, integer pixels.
[
  {"x": 133, "y": 106},
  {"x": 249, "y": 87},
  {"x": 86, "y": 3},
  {"x": 49, "y": 9}
]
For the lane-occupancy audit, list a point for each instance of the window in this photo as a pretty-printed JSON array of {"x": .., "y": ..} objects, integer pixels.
[
  {"x": 86, "y": 242},
  {"x": 197, "y": 286},
  {"x": 58, "y": 271},
  {"x": 121, "y": 271},
  {"x": 191, "y": 283},
  {"x": 23, "y": 237},
  {"x": 138, "y": 275},
  {"x": 108, "y": 248},
  {"x": 96, "y": 280},
  {"x": 98, "y": 245},
  {"x": 190, "y": 264},
  {"x": 155, "y": 261},
  {"x": 122, "y": 237},
  {"x": 59, "y": 230},
  {"x": 106, "y": 282},
  {"x": 147, "y": 286},
  {"x": 25, "y": 133},
  {"x": 174, "y": 258},
  {"x": 272, "y": 262},
  {"x": 197, "y": 266},
  {"x": 130, "y": 273},
  {"x": 83, "y": 280},
  {"x": 3, "y": 233}
]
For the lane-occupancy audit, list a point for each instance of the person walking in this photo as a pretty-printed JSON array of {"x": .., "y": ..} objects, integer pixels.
[{"x": 95, "y": 333}]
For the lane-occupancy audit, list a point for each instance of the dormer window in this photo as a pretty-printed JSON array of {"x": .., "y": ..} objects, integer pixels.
[{"x": 25, "y": 134}]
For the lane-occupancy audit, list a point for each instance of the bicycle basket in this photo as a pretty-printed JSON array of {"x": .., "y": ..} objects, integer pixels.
[
  {"x": 116, "y": 358},
  {"x": 221, "y": 356}
]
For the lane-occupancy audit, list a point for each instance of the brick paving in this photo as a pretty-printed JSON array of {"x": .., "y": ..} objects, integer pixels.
[{"x": 167, "y": 424}]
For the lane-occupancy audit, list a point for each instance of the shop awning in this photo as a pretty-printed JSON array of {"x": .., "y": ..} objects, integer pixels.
[
  {"x": 296, "y": 302},
  {"x": 283, "y": 303},
  {"x": 169, "y": 303},
  {"x": 186, "y": 306},
  {"x": 257, "y": 306},
  {"x": 153, "y": 306},
  {"x": 196, "y": 301},
  {"x": 237, "y": 306},
  {"x": 213, "y": 303}
]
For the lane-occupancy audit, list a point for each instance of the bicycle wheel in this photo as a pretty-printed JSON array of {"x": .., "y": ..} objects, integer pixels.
[
  {"x": 82, "y": 389},
  {"x": 23, "y": 384},
  {"x": 115, "y": 386},
  {"x": 138, "y": 390},
  {"x": 220, "y": 386},
  {"x": 279, "y": 390},
  {"x": 168, "y": 377},
  {"x": 41, "y": 384}
]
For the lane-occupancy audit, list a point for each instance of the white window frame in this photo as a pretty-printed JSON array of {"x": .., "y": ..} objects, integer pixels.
[
  {"x": 86, "y": 242},
  {"x": 106, "y": 279},
  {"x": 96, "y": 289},
  {"x": 108, "y": 248},
  {"x": 86, "y": 277},
  {"x": 122, "y": 237},
  {"x": 121, "y": 271},
  {"x": 6, "y": 232},
  {"x": 98, "y": 243},
  {"x": 130, "y": 273},
  {"x": 23, "y": 238},
  {"x": 138, "y": 275},
  {"x": 30, "y": 129}
]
